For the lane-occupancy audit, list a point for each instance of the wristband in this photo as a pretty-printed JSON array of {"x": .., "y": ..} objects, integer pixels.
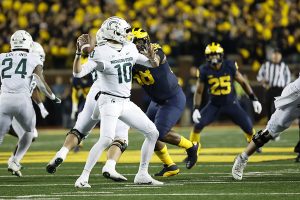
[
  {"x": 252, "y": 97},
  {"x": 196, "y": 107},
  {"x": 41, "y": 106},
  {"x": 52, "y": 96}
]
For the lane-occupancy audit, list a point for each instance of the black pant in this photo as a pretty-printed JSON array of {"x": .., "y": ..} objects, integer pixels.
[{"x": 270, "y": 97}]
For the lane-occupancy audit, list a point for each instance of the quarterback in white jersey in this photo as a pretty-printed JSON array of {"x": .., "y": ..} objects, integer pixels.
[
  {"x": 287, "y": 110},
  {"x": 17, "y": 68},
  {"x": 114, "y": 58}
]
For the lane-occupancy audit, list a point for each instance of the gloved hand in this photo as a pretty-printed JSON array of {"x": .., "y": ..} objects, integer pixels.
[
  {"x": 196, "y": 115},
  {"x": 257, "y": 106},
  {"x": 43, "y": 110}
]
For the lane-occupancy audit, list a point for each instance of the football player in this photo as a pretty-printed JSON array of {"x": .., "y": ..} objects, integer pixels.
[
  {"x": 114, "y": 59},
  {"x": 165, "y": 109},
  {"x": 287, "y": 110},
  {"x": 218, "y": 74},
  {"x": 18, "y": 67}
]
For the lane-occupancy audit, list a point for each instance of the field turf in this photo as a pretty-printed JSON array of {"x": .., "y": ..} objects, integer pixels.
[{"x": 270, "y": 175}]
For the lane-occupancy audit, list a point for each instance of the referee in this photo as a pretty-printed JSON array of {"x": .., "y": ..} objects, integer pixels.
[{"x": 274, "y": 76}]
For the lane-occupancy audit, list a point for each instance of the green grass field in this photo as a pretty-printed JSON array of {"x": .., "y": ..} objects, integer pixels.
[{"x": 270, "y": 175}]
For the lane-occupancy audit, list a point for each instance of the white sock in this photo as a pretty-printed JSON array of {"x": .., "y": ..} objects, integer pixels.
[
  {"x": 96, "y": 152},
  {"x": 244, "y": 156},
  {"x": 62, "y": 153},
  {"x": 146, "y": 153},
  {"x": 111, "y": 164},
  {"x": 23, "y": 145}
]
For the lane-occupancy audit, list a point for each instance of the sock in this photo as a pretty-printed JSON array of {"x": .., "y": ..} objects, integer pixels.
[
  {"x": 111, "y": 164},
  {"x": 164, "y": 156},
  {"x": 23, "y": 145},
  {"x": 194, "y": 137},
  {"x": 244, "y": 156},
  {"x": 147, "y": 151},
  {"x": 249, "y": 136},
  {"x": 185, "y": 143},
  {"x": 63, "y": 152}
]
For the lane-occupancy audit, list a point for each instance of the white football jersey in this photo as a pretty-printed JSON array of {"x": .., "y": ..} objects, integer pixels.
[
  {"x": 16, "y": 71},
  {"x": 115, "y": 67}
]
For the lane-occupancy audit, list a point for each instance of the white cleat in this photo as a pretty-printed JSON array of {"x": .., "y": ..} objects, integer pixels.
[
  {"x": 14, "y": 167},
  {"x": 82, "y": 183},
  {"x": 238, "y": 168},
  {"x": 112, "y": 174},
  {"x": 146, "y": 179}
]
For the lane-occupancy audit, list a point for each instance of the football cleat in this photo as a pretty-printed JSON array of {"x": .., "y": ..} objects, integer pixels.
[
  {"x": 238, "y": 168},
  {"x": 82, "y": 183},
  {"x": 15, "y": 168},
  {"x": 53, "y": 164},
  {"x": 167, "y": 171},
  {"x": 192, "y": 156},
  {"x": 259, "y": 150},
  {"x": 145, "y": 179},
  {"x": 112, "y": 174}
]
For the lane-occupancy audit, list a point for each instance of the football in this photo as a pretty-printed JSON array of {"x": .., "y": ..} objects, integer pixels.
[{"x": 84, "y": 43}]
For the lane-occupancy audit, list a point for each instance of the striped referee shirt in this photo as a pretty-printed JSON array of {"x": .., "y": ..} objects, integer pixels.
[{"x": 275, "y": 75}]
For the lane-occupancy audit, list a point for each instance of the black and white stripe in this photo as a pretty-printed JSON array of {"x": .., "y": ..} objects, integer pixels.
[{"x": 275, "y": 75}]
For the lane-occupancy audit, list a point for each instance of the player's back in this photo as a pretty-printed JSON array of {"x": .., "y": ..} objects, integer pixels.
[
  {"x": 16, "y": 71},
  {"x": 116, "y": 74}
]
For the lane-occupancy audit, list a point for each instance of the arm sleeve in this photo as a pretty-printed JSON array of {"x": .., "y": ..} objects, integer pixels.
[{"x": 89, "y": 66}]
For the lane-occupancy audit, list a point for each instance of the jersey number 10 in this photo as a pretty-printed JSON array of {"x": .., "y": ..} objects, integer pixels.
[{"x": 124, "y": 72}]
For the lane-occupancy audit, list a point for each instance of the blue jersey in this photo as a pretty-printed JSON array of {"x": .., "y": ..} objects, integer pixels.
[
  {"x": 160, "y": 83},
  {"x": 220, "y": 82}
]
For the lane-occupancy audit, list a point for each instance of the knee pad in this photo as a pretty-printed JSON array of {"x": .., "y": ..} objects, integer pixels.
[
  {"x": 120, "y": 143},
  {"x": 261, "y": 138},
  {"x": 79, "y": 135}
]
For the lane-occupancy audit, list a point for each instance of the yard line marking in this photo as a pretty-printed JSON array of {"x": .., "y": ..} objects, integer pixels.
[
  {"x": 166, "y": 183},
  {"x": 91, "y": 194}
]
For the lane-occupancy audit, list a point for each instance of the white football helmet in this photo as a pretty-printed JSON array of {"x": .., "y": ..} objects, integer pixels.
[
  {"x": 37, "y": 48},
  {"x": 114, "y": 28},
  {"x": 21, "y": 40}
]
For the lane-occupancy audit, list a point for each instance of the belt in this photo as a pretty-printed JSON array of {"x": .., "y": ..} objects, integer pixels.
[{"x": 100, "y": 92}]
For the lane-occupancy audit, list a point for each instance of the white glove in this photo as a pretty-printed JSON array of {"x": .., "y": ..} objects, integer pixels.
[
  {"x": 257, "y": 107},
  {"x": 74, "y": 111},
  {"x": 196, "y": 116},
  {"x": 43, "y": 110}
]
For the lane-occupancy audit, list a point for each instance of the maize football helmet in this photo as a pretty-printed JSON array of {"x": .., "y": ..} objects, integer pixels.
[
  {"x": 214, "y": 53},
  {"x": 114, "y": 28},
  {"x": 140, "y": 38},
  {"x": 21, "y": 40}
]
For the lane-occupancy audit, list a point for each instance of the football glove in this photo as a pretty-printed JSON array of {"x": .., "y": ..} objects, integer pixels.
[
  {"x": 257, "y": 107},
  {"x": 57, "y": 100},
  {"x": 196, "y": 116}
]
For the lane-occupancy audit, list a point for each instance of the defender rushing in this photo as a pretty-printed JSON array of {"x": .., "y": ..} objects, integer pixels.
[{"x": 165, "y": 109}]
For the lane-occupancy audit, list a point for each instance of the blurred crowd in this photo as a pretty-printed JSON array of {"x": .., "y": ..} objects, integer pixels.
[{"x": 246, "y": 28}]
